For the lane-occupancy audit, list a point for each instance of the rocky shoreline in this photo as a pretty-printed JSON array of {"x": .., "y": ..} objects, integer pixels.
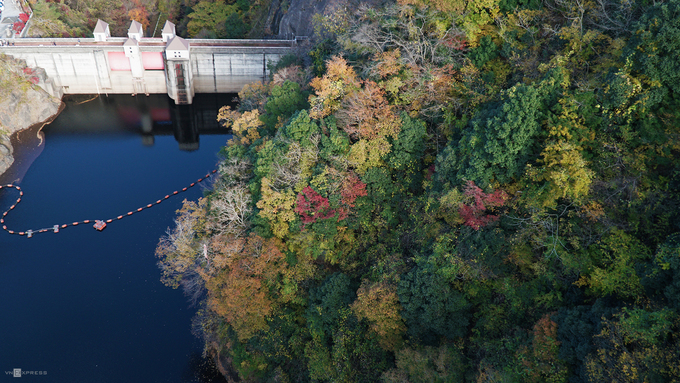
[{"x": 23, "y": 103}]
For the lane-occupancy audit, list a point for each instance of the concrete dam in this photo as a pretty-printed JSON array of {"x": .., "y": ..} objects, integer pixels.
[{"x": 142, "y": 65}]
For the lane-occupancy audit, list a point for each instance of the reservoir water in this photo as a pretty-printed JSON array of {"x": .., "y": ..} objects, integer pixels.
[{"x": 87, "y": 306}]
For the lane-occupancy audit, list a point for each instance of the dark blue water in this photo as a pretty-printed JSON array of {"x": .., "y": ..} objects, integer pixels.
[{"x": 88, "y": 306}]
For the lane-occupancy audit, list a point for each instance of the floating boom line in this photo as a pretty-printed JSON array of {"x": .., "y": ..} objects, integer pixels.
[{"x": 99, "y": 224}]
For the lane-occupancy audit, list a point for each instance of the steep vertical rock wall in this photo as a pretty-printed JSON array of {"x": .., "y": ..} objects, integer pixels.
[{"x": 22, "y": 103}]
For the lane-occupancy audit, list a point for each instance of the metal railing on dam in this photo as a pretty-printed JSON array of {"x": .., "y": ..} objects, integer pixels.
[{"x": 119, "y": 65}]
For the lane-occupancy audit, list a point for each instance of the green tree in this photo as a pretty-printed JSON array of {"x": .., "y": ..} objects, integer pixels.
[
  {"x": 341, "y": 350},
  {"x": 444, "y": 364},
  {"x": 498, "y": 142},
  {"x": 614, "y": 271},
  {"x": 655, "y": 48},
  {"x": 210, "y": 18},
  {"x": 235, "y": 27},
  {"x": 301, "y": 128},
  {"x": 431, "y": 308},
  {"x": 285, "y": 99}
]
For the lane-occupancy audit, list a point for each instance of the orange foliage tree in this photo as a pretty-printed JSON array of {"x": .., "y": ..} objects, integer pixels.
[
  {"x": 542, "y": 363},
  {"x": 339, "y": 81},
  {"x": 141, "y": 15},
  {"x": 367, "y": 114},
  {"x": 238, "y": 286}
]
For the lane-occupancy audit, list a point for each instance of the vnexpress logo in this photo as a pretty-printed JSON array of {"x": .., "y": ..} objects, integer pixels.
[{"x": 18, "y": 373}]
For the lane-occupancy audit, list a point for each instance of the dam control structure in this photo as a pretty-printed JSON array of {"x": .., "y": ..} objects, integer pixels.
[{"x": 136, "y": 64}]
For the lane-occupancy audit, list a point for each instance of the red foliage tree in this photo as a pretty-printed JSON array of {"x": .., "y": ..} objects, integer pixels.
[
  {"x": 18, "y": 27},
  {"x": 458, "y": 43},
  {"x": 24, "y": 17},
  {"x": 352, "y": 188},
  {"x": 312, "y": 206},
  {"x": 474, "y": 214}
]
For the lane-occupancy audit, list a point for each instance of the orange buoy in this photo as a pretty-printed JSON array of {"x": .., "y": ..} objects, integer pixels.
[
  {"x": 175, "y": 192},
  {"x": 119, "y": 217},
  {"x": 129, "y": 213},
  {"x": 86, "y": 221},
  {"x": 149, "y": 205},
  {"x": 64, "y": 226},
  {"x": 75, "y": 224},
  {"x": 159, "y": 201},
  {"x": 140, "y": 209},
  {"x": 192, "y": 184},
  {"x": 109, "y": 220}
]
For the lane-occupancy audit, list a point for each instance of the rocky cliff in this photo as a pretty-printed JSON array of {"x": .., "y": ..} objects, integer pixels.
[
  {"x": 22, "y": 103},
  {"x": 295, "y": 17}
]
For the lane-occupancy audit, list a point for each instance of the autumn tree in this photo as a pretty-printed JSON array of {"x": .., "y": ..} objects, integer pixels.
[
  {"x": 378, "y": 303},
  {"x": 541, "y": 363},
  {"x": 637, "y": 345},
  {"x": 277, "y": 207},
  {"x": 562, "y": 164},
  {"x": 339, "y": 81},
  {"x": 141, "y": 15},
  {"x": 238, "y": 290},
  {"x": 473, "y": 214},
  {"x": 179, "y": 249}
]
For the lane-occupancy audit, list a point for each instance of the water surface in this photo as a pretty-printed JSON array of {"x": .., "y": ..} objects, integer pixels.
[{"x": 88, "y": 306}]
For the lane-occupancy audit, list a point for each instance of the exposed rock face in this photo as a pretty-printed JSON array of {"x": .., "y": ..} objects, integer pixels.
[
  {"x": 19, "y": 110},
  {"x": 6, "y": 151},
  {"x": 296, "y": 20},
  {"x": 294, "y": 17}
]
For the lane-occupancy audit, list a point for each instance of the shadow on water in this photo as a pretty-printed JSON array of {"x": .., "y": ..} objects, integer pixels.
[
  {"x": 201, "y": 370},
  {"x": 27, "y": 144}
]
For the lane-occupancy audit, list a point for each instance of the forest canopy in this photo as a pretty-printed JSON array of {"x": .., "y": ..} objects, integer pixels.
[
  {"x": 193, "y": 18},
  {"x": 443, "y": 191}
]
